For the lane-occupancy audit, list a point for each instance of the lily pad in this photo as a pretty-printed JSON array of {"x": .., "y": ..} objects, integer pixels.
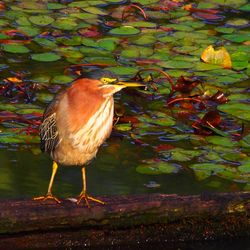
[
  {"x": 121, "y": 70},
  {"x": 237, "y": 109},
  {"x": 11, "y": 48},
  {"x": 238, "y": 22},
  {"x": 139, "y": 24},
  {"x": 157, "y": 168},
  {"x": 125, "y": 31},
  {"x": 41, "y": 20},
  {"x": 238, "y": 38},
  {"x": 219, "y": 140},
  {"x": 123, "y": 127},
  {"x": 180, "y": 154},
  {"x": 64, "y": 24},
  {"x": 95, "y": 10},
  {"x": 45, "y": 57},
  {"x": 205, "y": 170}
]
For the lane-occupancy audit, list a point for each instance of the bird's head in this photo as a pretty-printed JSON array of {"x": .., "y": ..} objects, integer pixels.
[{"x": 108, "y": 82}]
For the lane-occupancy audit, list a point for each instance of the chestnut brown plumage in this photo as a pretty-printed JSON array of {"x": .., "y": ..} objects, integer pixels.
[{"x": 77, "y": 122}]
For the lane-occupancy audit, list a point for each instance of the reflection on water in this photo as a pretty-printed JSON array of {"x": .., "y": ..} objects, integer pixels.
[{"x": 24, "y": 174}]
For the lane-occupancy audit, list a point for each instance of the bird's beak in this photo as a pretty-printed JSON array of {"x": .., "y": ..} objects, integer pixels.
[{"x": 130, "y": 84}]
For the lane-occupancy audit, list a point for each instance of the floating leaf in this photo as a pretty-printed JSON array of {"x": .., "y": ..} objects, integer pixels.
[
  {"x": 56, "y": 6},
  {"x": 238, "y": 22},
  {"x": 45, "y": 57},
  {"x": 123, "y": 127},
  {"x": 238, "y": 38},
  {"x": 180, "y": 154},
  {"x": 125, "y": 30},
  {"x": 95, "y": 10},
  {"x": 11, "y": 48},
  {"x": 64, "y": 24},
  {"x": 237, "y": 109},
  {"x": 157, "y": 168},
  {"x": 222, "y": 141},
  {"x": 225, "y": 30},
  {"x": 219, "y": 57},
  {"x": 205, "y": 170},
  {"x": 141, "y": 24},
  {"x": 62, "y": 79},
  {"x": 41, "y": 20},
  {"x": 120, "y": 70}
]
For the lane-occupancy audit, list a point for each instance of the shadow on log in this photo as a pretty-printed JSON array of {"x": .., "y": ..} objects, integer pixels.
[{"x": 124, "y": 220}]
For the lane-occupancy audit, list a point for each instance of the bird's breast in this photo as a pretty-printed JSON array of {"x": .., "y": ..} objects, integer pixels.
[{"x": 89, "y": 137}]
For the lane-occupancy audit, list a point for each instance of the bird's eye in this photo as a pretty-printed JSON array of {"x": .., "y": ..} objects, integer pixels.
[{"x": 106, "y": 80}]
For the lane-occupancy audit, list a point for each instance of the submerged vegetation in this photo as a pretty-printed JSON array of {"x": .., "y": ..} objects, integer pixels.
[{"x": 192, "y": 118}]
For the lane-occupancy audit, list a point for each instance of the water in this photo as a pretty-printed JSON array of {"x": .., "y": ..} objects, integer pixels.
[{"x": 25, "y": 172}]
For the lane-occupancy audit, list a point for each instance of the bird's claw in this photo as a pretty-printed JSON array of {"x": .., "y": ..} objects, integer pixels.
[
  {"x": 47, "y": 197},
  {"x": 86, "y": 198}
]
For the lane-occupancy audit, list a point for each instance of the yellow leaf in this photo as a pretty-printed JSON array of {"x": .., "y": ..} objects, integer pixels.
[
  {"x": 218, "y": 57},
  {"x": 14, "y": 79},
  {"x": 188, "y": 7}
]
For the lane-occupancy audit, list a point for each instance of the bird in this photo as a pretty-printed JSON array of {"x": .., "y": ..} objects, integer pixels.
[{"x": 77, "y": 122}]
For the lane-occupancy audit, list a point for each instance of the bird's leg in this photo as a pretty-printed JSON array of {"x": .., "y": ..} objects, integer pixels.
[
  {"x": 83, "y": 194},
  {"x": 49, "y": 195}
]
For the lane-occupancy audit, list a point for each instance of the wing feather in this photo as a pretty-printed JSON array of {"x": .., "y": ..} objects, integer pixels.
[{"x": 48, "y": 129}]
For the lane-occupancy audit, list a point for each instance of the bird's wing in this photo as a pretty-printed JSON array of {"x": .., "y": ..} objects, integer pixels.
[{"x": 48, "y": 129}]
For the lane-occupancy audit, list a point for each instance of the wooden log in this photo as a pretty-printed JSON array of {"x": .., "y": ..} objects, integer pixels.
[{"x": 124, "y": 220}]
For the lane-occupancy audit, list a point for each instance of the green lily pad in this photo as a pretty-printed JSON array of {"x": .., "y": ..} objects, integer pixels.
[
  {"x": 238, "y": 38},
  {"x": 146, "y": 2},
  {"x": 11, "y": 48},
  {"x": 123, "y": 126},
  {"x": 23, "y": 21},
  {"x": 45, "y": 97},
  {"x": 237, "y": 109},
  {"x": 121, "y": 70},
  {"x": 41, "y": 20},
  {"x": 181, "y": 27},
  {"x": 239, "y": 60},
  {"x": 45, "y": 42},
  {"x": 3, "y": 22},
  {"x": 245, "y": 167},
  {"x": 107, "y": 44},
  {"x": 95, "y": 10},
  {"x": 11, "y": 137},
  {"x": 237, "y": 22},
  {"x": 245, "y": 7},
  {"x": 64, "y": 24},
  {"x": 142, "y": 24},
  {"x": 125, "y": 30},
  {"x": 222, "y": 141},
  {"x": 157, "y": 168},
  {"x": 205, "y": 170},
  {"x": 72, "y": 41},
  {"x": 29, "y": 30},
  {"x": 144, "y": 40},
  {"x": 29, "y": 111},
  {"x": 175, "y": 64},
  {"x": 84, "y": 16},
  {"x": 62, "y": 79},
  {"x": 45, "y": 57},
  {"x": 56, "y": 6},
  {"x": 226, "y": 30},
  {"x": 180, "y": 154}
]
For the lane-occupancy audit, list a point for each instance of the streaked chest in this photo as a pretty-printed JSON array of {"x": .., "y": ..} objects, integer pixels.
[{"x": 96, "y": 130}]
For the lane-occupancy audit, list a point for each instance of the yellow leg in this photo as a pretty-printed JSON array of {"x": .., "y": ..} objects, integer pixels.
[
  {"x": 83, "y": 194},
  {"x": 49, "y": 195}
]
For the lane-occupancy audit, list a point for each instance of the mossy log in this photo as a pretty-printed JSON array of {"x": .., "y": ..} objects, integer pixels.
[{"x": 124, "y": 220}]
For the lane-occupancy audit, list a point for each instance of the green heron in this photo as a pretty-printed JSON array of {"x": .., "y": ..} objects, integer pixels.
[{"x": 77, "y": 122}]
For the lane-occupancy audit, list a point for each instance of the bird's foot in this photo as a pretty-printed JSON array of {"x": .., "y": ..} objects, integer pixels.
[
  {"x": 48, "y": 196},
  {"x": 87, "y": 198}
]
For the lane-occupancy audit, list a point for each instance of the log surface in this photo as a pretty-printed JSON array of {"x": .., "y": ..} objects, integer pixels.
[{"x": 124, "y": 220}]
